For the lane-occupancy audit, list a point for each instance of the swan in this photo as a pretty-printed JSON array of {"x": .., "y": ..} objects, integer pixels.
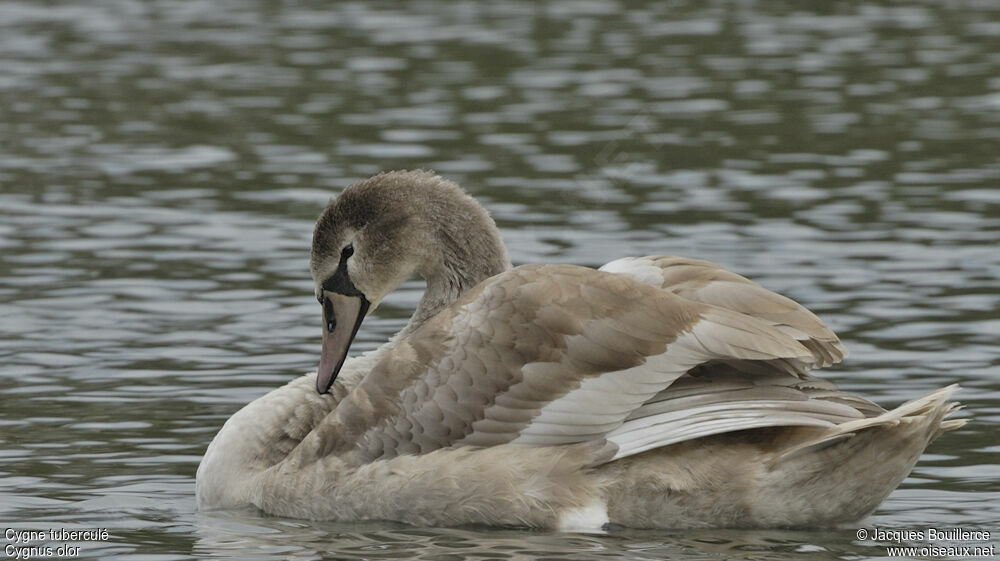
[{"x": 654, "y": 392}]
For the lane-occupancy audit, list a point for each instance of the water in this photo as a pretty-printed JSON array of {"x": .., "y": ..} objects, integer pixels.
[{"x": 162, "y": 162}]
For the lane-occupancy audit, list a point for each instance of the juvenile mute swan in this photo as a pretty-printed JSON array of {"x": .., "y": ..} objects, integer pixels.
[{"x": 653, "y": 392}]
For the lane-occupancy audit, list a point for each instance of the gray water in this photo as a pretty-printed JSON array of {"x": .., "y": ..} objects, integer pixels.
[{"x": 162, "y": 162}]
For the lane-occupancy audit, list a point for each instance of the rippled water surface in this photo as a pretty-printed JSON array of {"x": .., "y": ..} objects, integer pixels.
[{"x": 162, "y": 162}]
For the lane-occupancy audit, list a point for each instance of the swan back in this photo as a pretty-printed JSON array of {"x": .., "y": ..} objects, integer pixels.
[{"x": 539, "y": 355}]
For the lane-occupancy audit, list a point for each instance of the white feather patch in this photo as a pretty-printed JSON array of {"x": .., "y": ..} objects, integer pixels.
[
  {"x": 656, "y": 431},
  {"x": 585, "y": 519},
  {"x": 601, "y": 403},
  {"x": 638, "y": 267}
]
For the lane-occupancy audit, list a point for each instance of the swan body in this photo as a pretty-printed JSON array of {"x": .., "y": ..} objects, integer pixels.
[{"x": 654, "y": 392}]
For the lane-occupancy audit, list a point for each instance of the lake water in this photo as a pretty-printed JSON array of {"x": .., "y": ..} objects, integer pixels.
[{"x": 162, "y": 162}]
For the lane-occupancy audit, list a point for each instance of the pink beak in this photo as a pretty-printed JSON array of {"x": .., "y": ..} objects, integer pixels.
[{"x": 342, "y": 316}]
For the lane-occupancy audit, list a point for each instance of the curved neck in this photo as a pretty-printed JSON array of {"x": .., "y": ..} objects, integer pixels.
[{"x": 463, "y": 260}]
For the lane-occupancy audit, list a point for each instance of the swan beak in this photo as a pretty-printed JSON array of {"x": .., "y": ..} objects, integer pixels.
[{"x": 342, "y": 316}]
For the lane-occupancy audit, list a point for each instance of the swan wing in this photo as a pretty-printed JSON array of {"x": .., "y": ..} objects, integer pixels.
[
  {"x": 726, "y": 395},
  {"x": 542, "y": 355},
  {"x": 708, "y": 283},
  {"x": 719, "y": 398}
]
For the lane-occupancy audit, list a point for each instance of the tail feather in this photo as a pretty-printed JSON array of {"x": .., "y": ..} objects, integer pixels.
[
  {"x": 843, "y": 473},
  {"x": 929, "y": 410}
]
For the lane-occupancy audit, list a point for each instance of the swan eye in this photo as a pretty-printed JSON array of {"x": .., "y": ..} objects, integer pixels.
[{"x": 346, "y": 252}]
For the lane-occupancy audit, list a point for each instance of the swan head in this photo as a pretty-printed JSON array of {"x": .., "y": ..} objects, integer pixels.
[{"x": 385, "y": 229}]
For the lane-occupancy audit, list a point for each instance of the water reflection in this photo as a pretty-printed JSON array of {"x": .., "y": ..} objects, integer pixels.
[
  {"x": 162, "y": 164},
  {"x": 233, "y": 536}
]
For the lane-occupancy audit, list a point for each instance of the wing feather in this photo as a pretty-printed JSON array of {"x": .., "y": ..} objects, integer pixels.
[
  {"x": 543, "y": 355},
  {"x": 708, "y": 283},
  {"x": 698, "y": 407},
  {"x": 718, "y": 397}
]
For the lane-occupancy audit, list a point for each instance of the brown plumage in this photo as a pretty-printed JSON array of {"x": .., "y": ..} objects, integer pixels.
[{"x": 657, "y": 392}]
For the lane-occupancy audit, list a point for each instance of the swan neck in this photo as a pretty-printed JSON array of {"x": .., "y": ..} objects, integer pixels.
[{"x": 460, "y": 268}]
